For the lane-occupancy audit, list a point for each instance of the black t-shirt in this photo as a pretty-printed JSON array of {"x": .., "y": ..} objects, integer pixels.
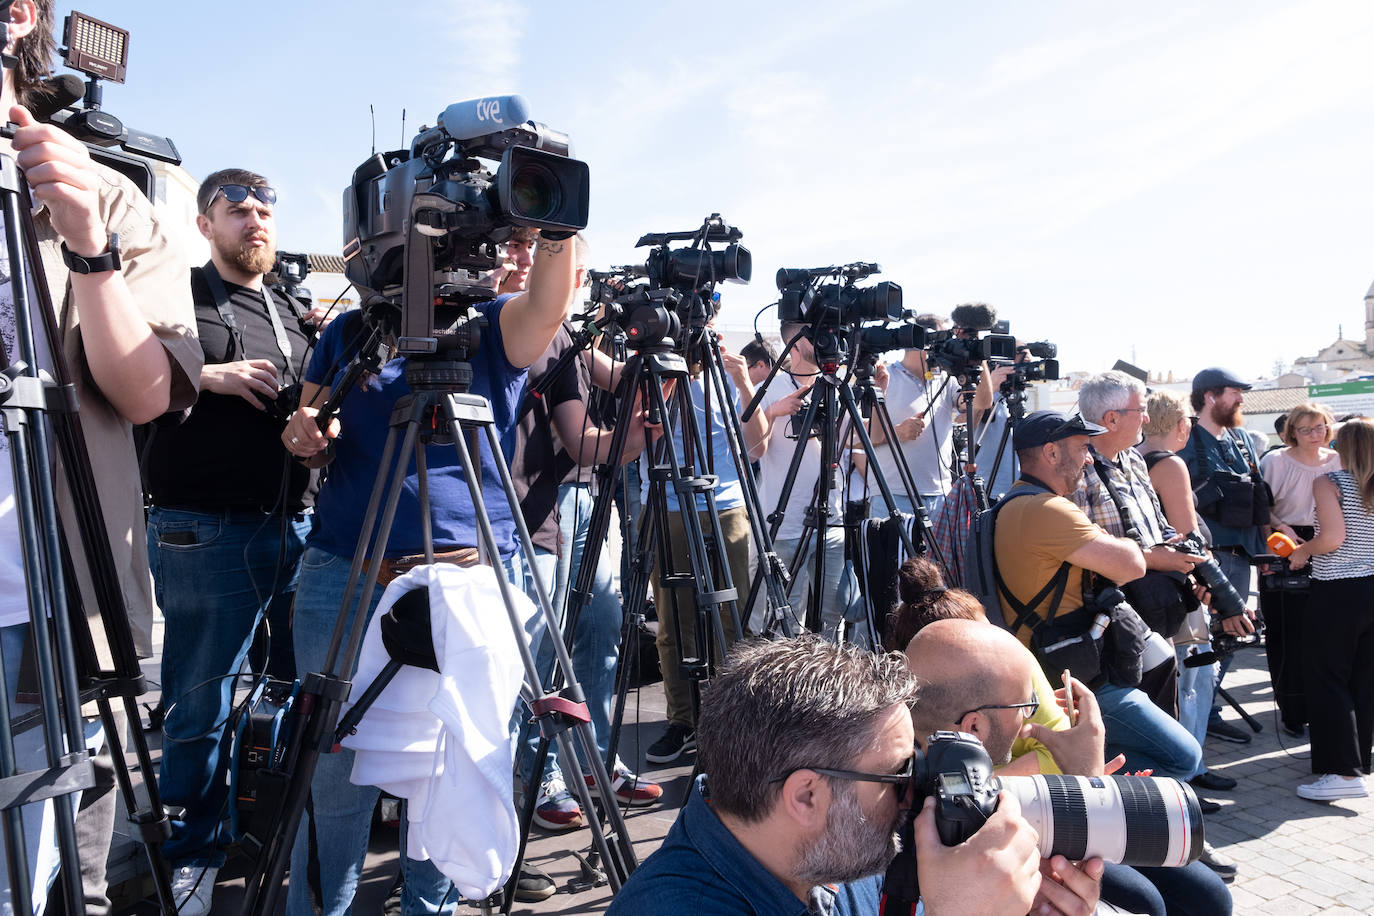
[
  {"x": 228, "y": 454},
  {"x": 534, "y": 470}
]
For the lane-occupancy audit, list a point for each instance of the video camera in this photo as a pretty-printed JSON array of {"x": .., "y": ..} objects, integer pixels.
[
  {"x": 423, "y": 227},
  {"x": 960, "y": 351},
  {"x": 840, "y": 305},
  {"x": 1133, "y": 820},
  {"x": 679, "y": 296}
]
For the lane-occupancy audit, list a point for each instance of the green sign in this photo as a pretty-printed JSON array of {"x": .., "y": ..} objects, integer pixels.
[{"x": 1345, "y": 397}]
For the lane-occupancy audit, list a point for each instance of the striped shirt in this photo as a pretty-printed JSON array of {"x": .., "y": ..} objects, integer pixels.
[{"x": 1354, "y": 559}]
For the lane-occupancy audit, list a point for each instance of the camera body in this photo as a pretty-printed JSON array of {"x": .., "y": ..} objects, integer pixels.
[
  {"x": 1276, "y": 573},
  {"x": 960, "y": 354},
  {"x": 423, "y": 226}
]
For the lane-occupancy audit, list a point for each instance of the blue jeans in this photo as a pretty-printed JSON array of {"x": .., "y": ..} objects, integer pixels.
[
  {"x": 841, "y": 587},
  {"x": 341, "y": 811},
  {"x": 216, "y": 575},
  {"x": 1236, "y": 568},
  {"x": 1148, "y": 736},
  {"x": 596, "y": 638},
  {"x": 1195, "y": 686},
  {"x": 1193, "y": 890}
]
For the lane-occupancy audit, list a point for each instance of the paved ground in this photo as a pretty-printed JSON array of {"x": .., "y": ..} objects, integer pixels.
[{"x": 1296, "y": 857}]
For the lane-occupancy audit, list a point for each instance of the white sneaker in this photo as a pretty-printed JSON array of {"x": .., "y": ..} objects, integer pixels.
[
  {"x": 192, "y": 886},
  {"x": 1332, "y": 786}
]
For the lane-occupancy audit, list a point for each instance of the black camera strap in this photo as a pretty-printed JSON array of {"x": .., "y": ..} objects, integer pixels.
[
  {"x": 231, "y": 320},
  {"x": 1123, "y": 508},
  {"x": 1054, "y": 589}
]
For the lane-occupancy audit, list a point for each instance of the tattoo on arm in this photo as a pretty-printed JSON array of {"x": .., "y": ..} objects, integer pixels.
[{"x": 550, "y": 247}]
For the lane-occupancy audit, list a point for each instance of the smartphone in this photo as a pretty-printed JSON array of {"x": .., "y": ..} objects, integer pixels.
[{"x": 1068, "y": 697}]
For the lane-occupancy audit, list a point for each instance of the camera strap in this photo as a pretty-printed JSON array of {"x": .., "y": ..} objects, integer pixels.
[
  {"x": 231, "y": 320},
  {"x": 1123, "y": 509},
  {"x": 1054, "y": 589}
]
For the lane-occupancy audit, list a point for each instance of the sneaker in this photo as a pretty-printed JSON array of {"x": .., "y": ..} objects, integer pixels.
[
  {"x": 556, "y": 809},
  {"x": 192, "y": 886},
  {"x": 669, "y": 747},
  {"x": 1227, "y": 732},
  {"x": 1332, "y": 786},
  {"x": 1224, "y": 866},
  {"x": 534, "y": 885},
  {"x": 629, "y": 788}
]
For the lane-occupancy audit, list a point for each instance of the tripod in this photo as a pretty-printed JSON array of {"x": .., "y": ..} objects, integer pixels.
[
  {"x": 438, "y": 408},
  {"x": 36, "y": 409}
]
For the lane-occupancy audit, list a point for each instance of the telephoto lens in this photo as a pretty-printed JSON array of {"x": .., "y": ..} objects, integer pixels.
[{"x": 1131, "y": 820}]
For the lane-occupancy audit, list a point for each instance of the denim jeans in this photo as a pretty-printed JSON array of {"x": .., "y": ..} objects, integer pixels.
[
  {"x": 216, "y": 575},
  {"x": 1195, "y": 688},
  {"x": 1148, "y": 736},
  {"x": 841, "y": 587},
  {"x": 596, "y": 635},
  {"x": 342, "y": 812}
]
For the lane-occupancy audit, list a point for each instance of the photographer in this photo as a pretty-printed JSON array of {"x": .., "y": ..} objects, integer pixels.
[
  {"x": 519, "y": 329},
  {"x": 126, "y": 334},
  {"x": 781, "y": 403},
  {"x": 229, "y": 518},
  {"x": 923, "y": 403},
  {"x": 806, "y": 749},
  {"x": 1045, "y": 548}
]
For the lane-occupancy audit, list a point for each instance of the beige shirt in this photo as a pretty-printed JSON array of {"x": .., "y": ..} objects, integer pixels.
[
  {"x": 156, "y": 271},
  {"x": 1291, "y": 481}
]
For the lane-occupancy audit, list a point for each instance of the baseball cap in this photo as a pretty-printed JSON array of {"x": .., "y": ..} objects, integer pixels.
[
  {"x": 1046, "y": 426},
  {"x": 1216, "y": 377}
]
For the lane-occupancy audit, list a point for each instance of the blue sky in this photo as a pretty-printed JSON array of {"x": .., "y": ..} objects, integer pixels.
[{"x": 1188, "y": 183}]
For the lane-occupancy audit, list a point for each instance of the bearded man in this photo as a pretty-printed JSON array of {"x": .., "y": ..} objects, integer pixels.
[{"x": 230, "y": 514}]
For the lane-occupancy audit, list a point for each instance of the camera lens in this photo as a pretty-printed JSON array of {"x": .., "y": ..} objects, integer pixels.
[
  {"x": 535, "y": 193},
  {"x": 1131, "y": 820}
]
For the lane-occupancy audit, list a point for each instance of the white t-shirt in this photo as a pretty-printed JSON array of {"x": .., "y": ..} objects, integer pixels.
[
  {"x": 14, "y": 605},
  {"x": 928, "y": 454},
  {"x": 775, "y": 461}
]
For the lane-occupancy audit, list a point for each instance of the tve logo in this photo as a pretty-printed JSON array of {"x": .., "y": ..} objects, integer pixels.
[{"x": 488, "y": 109}]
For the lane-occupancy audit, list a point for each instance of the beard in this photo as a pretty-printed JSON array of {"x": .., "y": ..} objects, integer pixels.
[
  {"x": 852, "y": 846},
  {"x": 1230, "y": 419},
  {"x": 1071, "y": 469},
  {"x": 251, "y": 259},
  {"x": 1000, "y": 740}
]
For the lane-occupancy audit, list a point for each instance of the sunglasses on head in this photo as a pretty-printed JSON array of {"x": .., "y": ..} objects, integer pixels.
[{"x": 238, "y": 193}]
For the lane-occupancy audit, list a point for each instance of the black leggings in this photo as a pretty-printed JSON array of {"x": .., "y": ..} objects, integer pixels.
[{"x": 1338, "y": 656}]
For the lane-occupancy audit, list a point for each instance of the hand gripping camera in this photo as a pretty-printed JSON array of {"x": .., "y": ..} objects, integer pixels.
[{"x": 1132, "y": 820}]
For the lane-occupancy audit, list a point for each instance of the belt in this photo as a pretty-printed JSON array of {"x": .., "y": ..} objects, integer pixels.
[
  {"x": 242, "y": 513},
  {"x": 395, "y": 567}
]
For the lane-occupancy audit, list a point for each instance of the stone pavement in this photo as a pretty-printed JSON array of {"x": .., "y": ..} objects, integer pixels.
[{"x": 1296, "y": 857}]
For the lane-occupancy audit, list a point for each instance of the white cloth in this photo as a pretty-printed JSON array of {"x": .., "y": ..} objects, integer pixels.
[{"x": 442, "y": 740}]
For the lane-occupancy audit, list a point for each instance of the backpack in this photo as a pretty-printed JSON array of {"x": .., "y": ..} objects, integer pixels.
[{"x": 980, "y": 560}]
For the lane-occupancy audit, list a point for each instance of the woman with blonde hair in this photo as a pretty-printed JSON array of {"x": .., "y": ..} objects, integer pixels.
[{"x": 1339, "y": 630}]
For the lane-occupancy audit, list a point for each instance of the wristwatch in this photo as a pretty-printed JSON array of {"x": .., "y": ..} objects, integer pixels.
[{"x": 95, "y": 264}]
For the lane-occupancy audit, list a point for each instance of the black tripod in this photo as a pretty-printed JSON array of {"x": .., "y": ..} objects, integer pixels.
[
  {"x": 438, "y": 408},
  {"x": 35, "y": 408}
]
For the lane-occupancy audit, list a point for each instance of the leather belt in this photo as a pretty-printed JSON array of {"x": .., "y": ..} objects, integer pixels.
[{"x": 395, "y": 567}]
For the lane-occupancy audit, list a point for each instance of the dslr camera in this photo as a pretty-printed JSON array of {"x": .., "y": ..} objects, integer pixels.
[
  {"x": 1131, "y": 820},
  {"x": 423, "y": 227},
  {"x": 1226, "y": 601}
]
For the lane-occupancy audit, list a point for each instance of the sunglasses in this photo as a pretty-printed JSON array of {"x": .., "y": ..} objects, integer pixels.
[
  {"x": 238, "y": 193},
  {"x": 901, "y": 780}
]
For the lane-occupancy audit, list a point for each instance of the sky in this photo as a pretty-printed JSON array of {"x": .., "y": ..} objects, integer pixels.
[{"x": 1177, "y": 185}]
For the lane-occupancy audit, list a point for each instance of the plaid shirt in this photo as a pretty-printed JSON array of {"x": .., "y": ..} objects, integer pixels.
[{"x": 1132, "y": 479}]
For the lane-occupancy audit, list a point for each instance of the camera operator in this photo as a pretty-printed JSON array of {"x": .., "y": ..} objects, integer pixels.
[
  {"x": 974, "y": 678},
  {"x": 923, "y": 403},
  {"x": 229, "y": 518},
  {"x": 1044, "y": 544},
  {"x": 781, "y": 402},
  {"x": 991, "y": 426},
  {"x": 758, "y": 356},
  {"x": 806, "y": 749},
  {"x": 519, "y": 329},
  {"x": 1231, "y": 495},
  {"x": 118, "y": 283}
]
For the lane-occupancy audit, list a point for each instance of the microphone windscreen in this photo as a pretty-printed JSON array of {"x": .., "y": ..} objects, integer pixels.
[
  {"x": 53, "y": 95},
  {"x": 975, "y": 316}
]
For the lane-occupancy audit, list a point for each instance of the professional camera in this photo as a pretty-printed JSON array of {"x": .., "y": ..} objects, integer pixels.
[
  {"x": 1226, "y": 601},
  {"x": 1276, "y": 573},
  {"x": 423, "y": 227},
  {"x": 1131, "y": 820},
  {"x": 961, "y": 351},
  {"x": 679, "y": 296},
  {"x": 807, "y": 298}
]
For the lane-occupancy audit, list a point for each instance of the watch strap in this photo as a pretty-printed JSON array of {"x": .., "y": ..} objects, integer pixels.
[{"x": 94, "y": 264}]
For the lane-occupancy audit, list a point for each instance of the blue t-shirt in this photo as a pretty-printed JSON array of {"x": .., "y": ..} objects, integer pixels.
[
  {"x": 729, "y": 493},
  {"x": 364, "y": 417}
]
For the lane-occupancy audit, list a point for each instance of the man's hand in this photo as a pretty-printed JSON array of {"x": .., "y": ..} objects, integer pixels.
[
  {"x": 321, "y": 315},
  {"x": 999, "y": 375},
  {"x": 1079, "y": 749},
  {"x": 302, "y": 436},
  {"x": 1068, "y": 889},
  {"x": 254, "y": 380},
  {"x": 1241, "y": 624},
  {"x": 881, "y": 376},
  {"x": 1166, "y": 559},
  {"x": 60, "y": 172},
  {"x": 787, "y": 406},
  {"x": 736, "y": 366},
  {"x": 910, "y": 429},
  {"x": 995, "y": 871}
]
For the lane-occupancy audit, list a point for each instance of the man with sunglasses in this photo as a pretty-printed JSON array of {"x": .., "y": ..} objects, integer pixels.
[
  {"x": 229, "y": 518},
  {"x": 807, "y": 749}
]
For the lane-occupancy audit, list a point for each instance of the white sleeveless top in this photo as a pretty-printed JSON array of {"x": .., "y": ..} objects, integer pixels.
[{"x": 1354, "y": 559}]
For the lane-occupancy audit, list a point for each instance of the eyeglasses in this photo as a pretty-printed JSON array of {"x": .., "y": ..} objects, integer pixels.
[
  {"x": 1141, "y": 409},
  {"x": 901, "y": 780},
  {"x": 1309, "y": 430},
  {"x": 1027, "y": 709},
  {"x": 238, "y": 193}
]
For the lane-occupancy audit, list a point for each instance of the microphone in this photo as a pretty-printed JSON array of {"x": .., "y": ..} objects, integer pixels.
[
  {"x": 482, "y": 117},
  {"x": 975, "y": 316},
  {"x": 55, "y": 94}
]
